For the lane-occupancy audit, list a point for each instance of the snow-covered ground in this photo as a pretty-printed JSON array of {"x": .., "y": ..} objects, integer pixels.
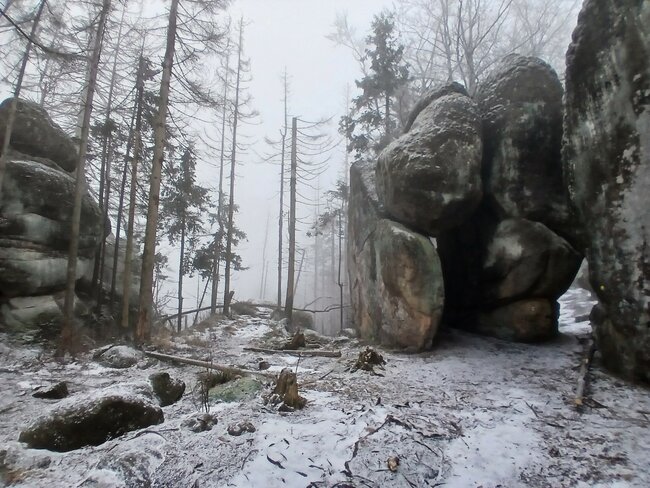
[{"x": 474, "y": 412}]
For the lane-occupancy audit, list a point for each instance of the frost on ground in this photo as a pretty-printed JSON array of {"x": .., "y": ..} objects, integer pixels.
[{"x": 474, "y": 412}]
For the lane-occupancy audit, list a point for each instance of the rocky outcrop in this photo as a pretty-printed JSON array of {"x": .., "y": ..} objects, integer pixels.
[
  {"x": 485, "y": 179},
  {"x": 35, "y": 133},
  {"x": 503, "y": 276},
  {"x": 35, "y": 218},
  {"x": 398, "y": 305},
  {"x": 607, "y": 155},
  {"x": 363, "y": 214},
  {"x": 94, "y": 418},
  {"x": 521, "y": 107},
  {"x": 410, "y": 285},
  {"x": 429, "y": 178}
]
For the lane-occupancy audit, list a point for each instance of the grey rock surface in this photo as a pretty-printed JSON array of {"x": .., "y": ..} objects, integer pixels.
[
  {"x": 606, "y": 151},
  {"x": 430, "y": 178}
]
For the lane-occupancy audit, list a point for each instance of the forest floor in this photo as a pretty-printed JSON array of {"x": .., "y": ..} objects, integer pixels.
[{"x": 474, "y": 412}]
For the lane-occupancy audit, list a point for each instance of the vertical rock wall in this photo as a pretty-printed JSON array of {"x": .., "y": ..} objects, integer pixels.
[{"x": 607, "y": 156}]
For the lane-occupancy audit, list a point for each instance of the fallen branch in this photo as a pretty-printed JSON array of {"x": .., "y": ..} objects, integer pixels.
[
  {"x": 204, "y": 364},
  {"x": 292, "y": 352},
  {"x": 583, "y": 375}
]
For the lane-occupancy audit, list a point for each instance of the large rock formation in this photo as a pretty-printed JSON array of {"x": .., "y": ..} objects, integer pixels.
[
  {"x": 498, "y": 215},
  {"x": 35, "y": 217},
  {"x": 521, "y": 106},
  {"x": 430, "y": 177},
  {"x": 607, "y": 157},
  {"x": 396, "y": 280}
]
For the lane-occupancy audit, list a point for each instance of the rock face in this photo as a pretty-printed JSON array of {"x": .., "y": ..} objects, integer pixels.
[
  {"x": 503, "y": 276},
  {"x": 521, "y": 106},
  {"x": 363, "y": 214},
  {"x": 94, "y": 418},
  {"x": 607, "y": 156},
  {"x": 399, "y": 305},
  {"x": 486, "y": 179},
  {"x": 429, "y": 178},
  {"x": 35, "y": 133},
  {"x": 35, "y": 217},
  {"x": 410, "y": 285}
]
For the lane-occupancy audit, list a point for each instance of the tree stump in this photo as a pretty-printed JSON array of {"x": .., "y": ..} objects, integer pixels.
[{"x": 286, "y": 391}]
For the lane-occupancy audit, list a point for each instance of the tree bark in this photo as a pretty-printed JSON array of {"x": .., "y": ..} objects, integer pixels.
[
  {"x": 219, "y": 237},
  {"x": 135, "y": 163},
  {"x": 143, "y": 329},
  {"x": 181, "y": 273},
  {"x": 68, "y": 330},
  {"x": 105, "y": 172},
  {"x": 233, "y": 159},
  {"x": 288, "y": 305}
]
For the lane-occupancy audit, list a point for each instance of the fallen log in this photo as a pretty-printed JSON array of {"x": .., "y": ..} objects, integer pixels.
[
  {"x": 204, "y": 364},
  {"x": 293, "y": 352},
  {"x": 583, "y": 375}
]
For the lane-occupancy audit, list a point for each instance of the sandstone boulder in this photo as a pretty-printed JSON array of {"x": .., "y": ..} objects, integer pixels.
[
  {"x": 363, "y": 214},
  {"x": 607, "y": 156},
  {"x": 36, "y": 315},
  {"x": 410, "y": 285},
  {"x": 35, "y": 134},
  {"x": 35, "y": 212},
  {"x": 526, "y": 259},
  {"x": 521, "y": 107},
  {"x": 430, "y": 178},
  {"x": 502, "y": 277},
  {"x": 529, "y": 320},
  {"x": 93, "y": 418}
]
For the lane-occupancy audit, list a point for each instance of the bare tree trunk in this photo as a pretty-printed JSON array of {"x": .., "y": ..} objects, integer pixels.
[
  {"x": 266, "y": 241},
  {"x": 143, "y": 329},
  {"x": 181, "y": 273},
  {"x": 281, "y": 215},
  {"x": 219, "y": 237},
  {"x": 288, "y": 305},
  {"x": 68, "y": 331},
  {"x": 105, "y": 172},
  {"x": 135, "y": 162},
  {"x": 227, "y": 295},
  {"x": 14, "y": 102},
  {"x": 340, "y": 280}
]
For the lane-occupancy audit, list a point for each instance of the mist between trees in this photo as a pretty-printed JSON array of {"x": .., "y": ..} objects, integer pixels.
[{"x": 159, "y": 101}]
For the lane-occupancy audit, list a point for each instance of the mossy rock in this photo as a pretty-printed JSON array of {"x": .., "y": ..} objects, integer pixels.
[{"x": 238, "y": 390}]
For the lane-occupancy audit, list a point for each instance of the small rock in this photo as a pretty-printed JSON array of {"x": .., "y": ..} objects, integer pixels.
[
  {"x": 200, "y": 422},
  {"x": 167, "y": 390},
  {"x": 263, "y": 365},
  {"x": 53, "y": 392},
  {"x": 119, "y": 357},
  {"x": 240, "y": 428},
  {"x": 393, "y": 463}
]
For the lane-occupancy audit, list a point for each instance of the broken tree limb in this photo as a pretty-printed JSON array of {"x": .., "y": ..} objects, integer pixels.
[
  {"x": 292, "y": 352},
  {"x": 204, "y": 364},
  {"x": 583, "y": 375}
]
